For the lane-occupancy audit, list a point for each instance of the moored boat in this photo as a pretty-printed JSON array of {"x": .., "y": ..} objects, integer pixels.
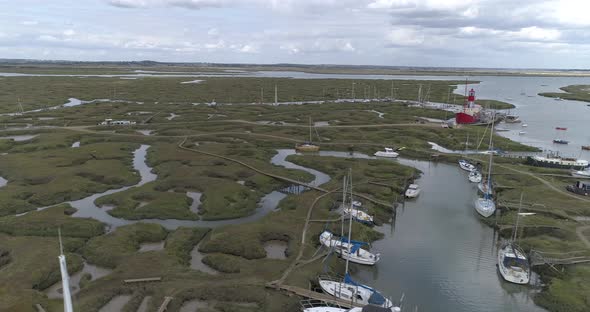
[
  {"x": 512, "y": 119},
  {"x": 341, "y": 245},
  {"x": 358, "y": 215},
  {"x": 560, "y": 141},
  {"x": 471, "y": 112},
  {"x": 513, "y": 264},
  {"x": 581, "y": 173},
  {"x": 307, "y": 146},
  {"x": 322, "y": 306},
  {"x": 413, "y": 191},
  {"x": 579, "y": 188},
  {"x": 557, "y": 162},
  {"x": 475, "y": 176},
  {"x": 586, "y": 147},
  {"x": 389, "y": 153},
  {"x": 466, "y": 165},
  {"x": 485, "y": 205},
  {"x": 352, "y": 291},
  {"x": 521, "y": 132}
]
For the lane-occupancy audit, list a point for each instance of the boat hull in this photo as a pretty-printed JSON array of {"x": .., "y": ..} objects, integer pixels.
[
  {"x": 386, "y": 155},
  {"x": 533, "y": 162},
  {"x": 463, "y": 118},
  {"x": 509, "y": 274},
  {"x": 485, "y": 207},
  {"x": 307, "y": 148},
  {"x": 342, "y": 290},
  {"x": 341, "y": 248}
]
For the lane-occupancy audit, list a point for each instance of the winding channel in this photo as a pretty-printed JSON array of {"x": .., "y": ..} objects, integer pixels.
[{"x": 86, "y": 207}]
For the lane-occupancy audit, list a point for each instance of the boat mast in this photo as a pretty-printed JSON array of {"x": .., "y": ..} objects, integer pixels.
[
  {"x": 343, "y": 203},
  {"x": 65, "y": 279},
  {"x": 349, "y": 221},
  {"x": 309, "y": 129},
  {"x": 491, "y": 147},
  {"x": 515, "y": 234}
]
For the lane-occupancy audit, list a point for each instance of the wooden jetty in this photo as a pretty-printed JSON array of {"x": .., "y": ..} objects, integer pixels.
[
  {"x": 164, "y": 305},
  {"x": 142, "y": 280},
  {"x": 308, "y": 293},
  {"x": 541, "y": 258}
]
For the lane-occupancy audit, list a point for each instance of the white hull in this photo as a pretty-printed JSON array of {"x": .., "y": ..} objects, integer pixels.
[
  {"x": 386, "y": 154},
  {"x": 325, "y": 309},
  {"x": 581, "y": 174},
  {"x": 349, "y": 292},
  {"x": 412, "y": 193},
  {"x": 466, "y": 166},
  {"x": 483, "y": 188},
  {"x": 513, "y": 274},
  {"x": 485, "y": 207},
  {"x": 475, "y": 177},
  {"x": 358, "y": 215},
  {"x": 361, "y": 256}
]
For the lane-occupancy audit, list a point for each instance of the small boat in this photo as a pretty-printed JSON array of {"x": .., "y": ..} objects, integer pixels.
[
  {"x": 307, "y": 146},
  {"x": 521, "y": 132},
  {"x": 579, "y": 188},
  {"x": 586, "y": 147},
  {"x": 513, "y": 264},
  {"x": 311, "y": 305},
  {"x": 341, "y": 246},
  {"x": 512, "y": 261},
  {"x": 560, "y": 141},
  {"x": 502, "y": 129},
  {"x": 512, "y": 119},
  {"x": 475, "y": 176},
  {"x": 555, "y": 161},
  {"x": 581, "y": 173},
  {"x": 561, "y": 128},
  {"x": 558, "y": 99},
  {"x": 358, "y": 215},
  {"x": 524, "y": 125},
  {"x": 466, "y": 165},
  {"x": 389, "y": 153},
  {"x": 350, "y": 290},
  {"x": 484, "y": 188},
  {"x": 413, "y": 191},
  {"x": 485, "y": 205}
]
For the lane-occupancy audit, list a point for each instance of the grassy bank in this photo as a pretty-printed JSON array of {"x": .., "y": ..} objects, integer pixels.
[{"x": 572, "y": 92}]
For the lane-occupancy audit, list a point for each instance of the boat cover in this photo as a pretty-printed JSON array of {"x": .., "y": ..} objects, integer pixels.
[
  {"x": 355, "y": 248},
  {"x": 345, "y": 240},
  {"x": 376, "y": 297}
]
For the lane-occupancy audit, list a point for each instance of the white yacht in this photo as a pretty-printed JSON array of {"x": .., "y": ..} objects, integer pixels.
[
  {"x": 513, "y": 264},
  {"x": 341, "y": 246},
  {"x": 322, "y": 306},
  {"x": 389, "y": 153},
  {"x": 475, "y": 176},
  {"x": 413, "y": 191},
  {"x": 358, "y": 215},
  {"x": 466, "y": 165},
  {"x": 485, "y": 205},
  {"x": 582, "y": 173},
  {"x": 352, "y": 291}
]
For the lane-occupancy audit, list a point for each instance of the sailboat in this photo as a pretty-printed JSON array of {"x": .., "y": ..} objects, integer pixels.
[
  {"x": 349, "y": 290},
  {"x": 512, "y": 260},
  {"x": 485, "y": 205},
  {"x": 322, "y": 306},
  {"x": 475, "y": 176},
  {"x": 346, "y": 248},
  {"x": 307, "y": 146}
]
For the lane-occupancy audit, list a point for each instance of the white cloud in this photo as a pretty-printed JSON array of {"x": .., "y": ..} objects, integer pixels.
[
  {"x": 213, "y": 32},
  {"x": 29, "y": 23},
  {"x": 535, "y": 33},
  {"x": 405, "y": 37},
  {"x": 69, "y": 32}
]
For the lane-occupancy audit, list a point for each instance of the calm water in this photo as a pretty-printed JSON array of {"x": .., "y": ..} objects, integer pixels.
[{"x": 439, "y": 254}]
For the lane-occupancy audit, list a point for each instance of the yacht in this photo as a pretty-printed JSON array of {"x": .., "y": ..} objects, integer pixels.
[
  {"x": 349, "y": 290},
  {"x": 342, "y": 246},
  {"x": 555, "y": 161},
  {"x": 322, "y": 306},
  {"x": 466, "y": 165},
  {"x": 475, "y": 176},
  {"x": 389, "y": 153},
  {"x": 307, "y": 146},
  {"x": 521, "y": 132},
  {"x": 513, "y": 264},
  {"x": 413, "y": 191},
  {"x": 525, "y": 125},
  {"x": 512, "y": 119},
  {"x": 512, "y": 261},
  {"x": 358, "y": 215},
  {"x": 485, "y": 205}
]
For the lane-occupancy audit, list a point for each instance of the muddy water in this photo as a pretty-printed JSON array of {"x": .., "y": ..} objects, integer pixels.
[
  {"x": 195, "y": 306},
  {"x": 280, "y": 160},
  {"x": 143, "y": 307},
  {"x": 95, "y": 272},
  {"x": 275, "y": 249},
  {"x": 76, "y": 144},
  {"x": 196, "y": 203},
  {"x": 197, "y": 261},
  {"x": 3, "y": 182},
  {"x": 19, "y": 138},
  {"x": 145, "y": 132}
]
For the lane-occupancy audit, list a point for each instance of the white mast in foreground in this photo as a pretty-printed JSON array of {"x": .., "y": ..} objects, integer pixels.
[{"x": 65, "y": 278}]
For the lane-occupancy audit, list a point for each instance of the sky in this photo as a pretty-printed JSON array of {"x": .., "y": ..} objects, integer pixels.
[{"x": 442, "y": 33}]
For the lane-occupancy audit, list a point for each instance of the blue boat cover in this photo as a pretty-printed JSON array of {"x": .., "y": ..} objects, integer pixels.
[
  {"x": 376, "y": 298},
  {"x": 355, "y": 248},
  {"x": 345, "y": 240}
]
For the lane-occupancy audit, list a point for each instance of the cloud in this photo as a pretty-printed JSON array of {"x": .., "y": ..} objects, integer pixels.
[
  {"x": 404, "y": 37},
  {"x": 69, "y": 32},
  {"x": 128, "y": 3},
  {"x": 29, "y": 23},
  {"x": 213, "y": 32}
]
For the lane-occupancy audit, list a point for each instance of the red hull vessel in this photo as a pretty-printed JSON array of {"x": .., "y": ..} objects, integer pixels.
[{"x": 470, "y": 113}]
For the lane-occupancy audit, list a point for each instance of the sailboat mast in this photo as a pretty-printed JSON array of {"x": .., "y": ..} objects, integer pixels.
[
  {"x": 349, "y": 221},
  {"x": 491, "y": 147},
  {"x": 343, "y": 203},
  {"x": 515, "y": 234},
  {"x": 309, "y": 129},
  {"x": 65, "y": 279}
]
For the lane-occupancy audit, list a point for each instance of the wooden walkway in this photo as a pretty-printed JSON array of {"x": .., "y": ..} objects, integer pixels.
[
  {"x": 541, "y": 258},
  {"x": 164, "y": 305},
  {"x": 307, "y": 293}
]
